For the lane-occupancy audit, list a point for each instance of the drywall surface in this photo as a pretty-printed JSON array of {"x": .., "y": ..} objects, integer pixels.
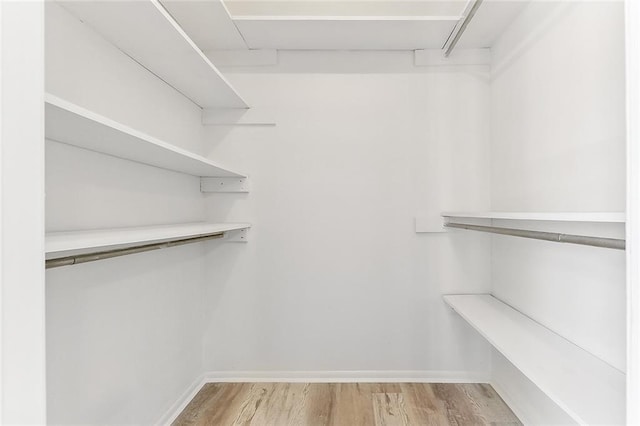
[
  {"x": 334, "y": 281},
  {"x": 558, "y": 109},
  {"x": 558, "y": 144},
  {"x": 89, "y": 190},
  {"x": 22, "y": 291},
  {"x": 123, "y": 335}
]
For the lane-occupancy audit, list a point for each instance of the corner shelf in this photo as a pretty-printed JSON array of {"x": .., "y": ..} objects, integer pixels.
[
  {"x": 71, "y": 124},
  {"x": 58, "y": 244},
  {"x": 602, "y": 217},
  {"x": 588, "y": 389},
  {"x": 146, "y": 32}
]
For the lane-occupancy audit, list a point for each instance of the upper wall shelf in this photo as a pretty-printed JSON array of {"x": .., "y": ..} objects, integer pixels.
[
  {"x": 146, "y": 32},
  {"x": 603, "y": 217},
  {"x": 207, "y": 22},
  {"x": 383, "y": 25},
  {"x": 68, "y": 123},
  {"x": 588, "y": 389},
  {"x": 345, "y": 32}
]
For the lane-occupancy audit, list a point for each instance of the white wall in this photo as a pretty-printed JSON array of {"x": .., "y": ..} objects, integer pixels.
[
  {"x": 558, "y": 127},
  {"x": 22, "y": 369},
  {"x": 123, "y": 335},
  {"x": 334, "y": 279},
  {"x": 558, "y": 144}
]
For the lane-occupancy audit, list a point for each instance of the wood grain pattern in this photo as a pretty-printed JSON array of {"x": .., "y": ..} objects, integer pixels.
[
  {"x": 346, "y": 404},
  {"x": 423, "y": 406},
  {"x": 389, "y": 409}
]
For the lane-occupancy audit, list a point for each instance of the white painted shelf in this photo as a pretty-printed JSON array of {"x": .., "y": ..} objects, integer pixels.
[
  {"x": 207, "y": 22},
  {"x": 604, "y": 217},
  {"x": 588, "y": 389},
  {"x": 76, "y": 242},
  {"x": 146, "y": 32},
  {"x": 345, "y": 32},
  {"x": 68, "y": 123}
]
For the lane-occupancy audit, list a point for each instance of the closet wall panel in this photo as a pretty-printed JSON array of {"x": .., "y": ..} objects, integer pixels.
[{"x": 335, "y": 281}]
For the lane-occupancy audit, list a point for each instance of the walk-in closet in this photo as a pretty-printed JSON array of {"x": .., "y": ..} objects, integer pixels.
[{"x": 320, "y": 212}]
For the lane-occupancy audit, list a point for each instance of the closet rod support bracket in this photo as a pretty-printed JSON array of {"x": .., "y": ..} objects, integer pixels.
[
  {"x": 224, "y": 184},
  {"x": 237, "y": 236}
]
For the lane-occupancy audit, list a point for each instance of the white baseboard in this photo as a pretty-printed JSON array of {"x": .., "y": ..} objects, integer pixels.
[
  {"x": 363, "y": 376},
  {"x": 174, "y": 411}
]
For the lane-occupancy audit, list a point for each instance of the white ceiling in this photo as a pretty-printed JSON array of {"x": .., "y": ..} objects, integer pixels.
[{"x": 338, "y": 25}]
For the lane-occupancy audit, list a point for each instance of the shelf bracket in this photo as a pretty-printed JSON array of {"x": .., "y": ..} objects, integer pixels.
[
  {"x": 237, "y": 236},
  {"x": 224, "y": 184}
]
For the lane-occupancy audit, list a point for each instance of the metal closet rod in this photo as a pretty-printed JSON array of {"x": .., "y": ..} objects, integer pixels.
[
  {"x": 458, "y": 30},
  {"x": 612, "y": 243},
  {"x": 107, "y": 254}
]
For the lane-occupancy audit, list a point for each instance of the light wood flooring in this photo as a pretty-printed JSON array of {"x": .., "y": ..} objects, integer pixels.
[{"x": 346, "y": 404}]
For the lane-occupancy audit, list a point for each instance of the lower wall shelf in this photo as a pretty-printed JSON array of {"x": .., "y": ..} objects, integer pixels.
[
  {"x": 588, "y": 389},
  {"x": 104, "y": 243}
]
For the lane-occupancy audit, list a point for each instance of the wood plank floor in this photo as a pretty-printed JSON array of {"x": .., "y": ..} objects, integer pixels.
[{"x": 346, "y": 404}]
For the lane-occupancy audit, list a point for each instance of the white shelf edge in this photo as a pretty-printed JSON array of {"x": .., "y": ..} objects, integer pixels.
[
  {"x": 195, "y": 161},
  {"x": 449, "y": 18},
  {"x": 76, "y": 242},
  {"x": 603, "y": 217},
  {"x": 515, "y": 335}
]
